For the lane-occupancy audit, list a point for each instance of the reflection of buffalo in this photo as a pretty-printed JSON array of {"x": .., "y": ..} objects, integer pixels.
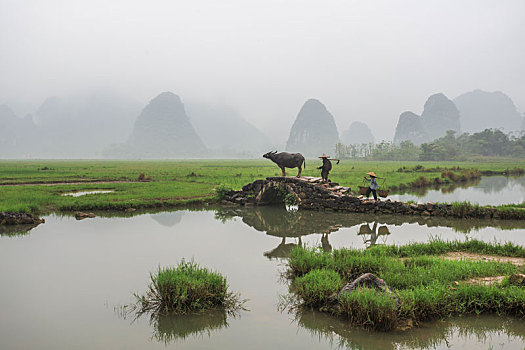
[{"x": 283, "y": 250}]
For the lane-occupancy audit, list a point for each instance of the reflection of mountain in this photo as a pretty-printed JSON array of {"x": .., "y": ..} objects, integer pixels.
[
  {"x": 439, "y": 334},
  {"x": 168, "y": 219},
  {"x": 172, "y": 328}
]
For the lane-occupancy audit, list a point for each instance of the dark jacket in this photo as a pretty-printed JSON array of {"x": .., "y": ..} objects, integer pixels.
[{"x": 327, "y": 165}]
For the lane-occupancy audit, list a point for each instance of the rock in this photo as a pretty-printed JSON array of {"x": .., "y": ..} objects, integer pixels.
[
  {"x": 482, "y": 110},
  {"x": 314, "y": 131},
  {"x": 425, "y": 213},
  {"x": 129, "y": 210},
  {"x": 357, "y": 134},
  {"x": 79, "y": 215},
  {"x": 370, "y": 280},
  {"x": 12, "y": 218}
]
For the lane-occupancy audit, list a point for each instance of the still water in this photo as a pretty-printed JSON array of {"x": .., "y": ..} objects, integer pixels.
[
  {"x": 489, "y": 190},
  {"x": 64, "y": 281}
]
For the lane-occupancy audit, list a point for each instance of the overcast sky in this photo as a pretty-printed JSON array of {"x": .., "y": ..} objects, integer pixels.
[{"x": 365, "y": 60}]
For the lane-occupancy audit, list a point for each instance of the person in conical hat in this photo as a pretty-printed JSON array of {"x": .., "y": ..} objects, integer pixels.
[
  {"x": 326, "y": 167},
  {"x": 373, "y": 185}
]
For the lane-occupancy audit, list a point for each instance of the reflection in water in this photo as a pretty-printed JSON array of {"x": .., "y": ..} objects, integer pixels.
[
  {"x": 489, "y": 190},
  {"x": 173, "y": 328},
  {"x": 283, "y": 250},
  {"x": 466, "y": 332},
  {"x": 371, "y": 235},
  {"x": 374, "y": 229},
  {"x": 168, "y": 219},
  {"x": 16, "y": 230}
]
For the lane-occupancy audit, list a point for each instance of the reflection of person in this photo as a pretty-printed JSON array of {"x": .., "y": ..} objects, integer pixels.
[
  {"x": 373, "y": 185},
  {"x": 374, "y": 233},
  {"x": 327, "y": 247}
]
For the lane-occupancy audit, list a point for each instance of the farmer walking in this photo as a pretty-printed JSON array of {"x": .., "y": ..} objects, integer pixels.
[
  {"x": 326, "y": 167},
  {"x": 373, "y": 185}
]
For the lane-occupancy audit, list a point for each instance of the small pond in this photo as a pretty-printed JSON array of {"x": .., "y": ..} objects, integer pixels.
[
  {"x": 489, "y": 190},
  {"x": 64, "y": 281},
  {"x": 83, "y": 193}
]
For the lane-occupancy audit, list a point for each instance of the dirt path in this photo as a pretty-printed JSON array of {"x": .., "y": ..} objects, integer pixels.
[
  {"x": 483, "y": 257},
  {"x": 51, "y": 183}
]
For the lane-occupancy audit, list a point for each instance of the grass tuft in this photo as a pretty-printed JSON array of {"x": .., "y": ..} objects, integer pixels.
[{"x": 187, "y": 288}]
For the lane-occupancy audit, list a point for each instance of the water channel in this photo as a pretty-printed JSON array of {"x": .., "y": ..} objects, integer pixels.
[
  {"x": 489, "y": 190},
  {"x": 63, "y": 282}
]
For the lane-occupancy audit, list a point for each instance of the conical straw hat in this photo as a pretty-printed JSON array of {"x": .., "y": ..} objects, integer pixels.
[
  {"x": 371, "y": 174},
  {"x": 324, "y": 156}
]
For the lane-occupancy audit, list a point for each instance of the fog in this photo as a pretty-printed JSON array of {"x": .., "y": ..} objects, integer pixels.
[{"x": 364, "y": 60}]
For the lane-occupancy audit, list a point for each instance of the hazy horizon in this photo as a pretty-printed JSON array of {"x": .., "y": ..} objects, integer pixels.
[{"x": 366, "y": 62}]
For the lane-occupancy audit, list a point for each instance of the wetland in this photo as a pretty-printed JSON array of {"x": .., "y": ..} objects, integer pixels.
[{"x": 82, "y": 274}]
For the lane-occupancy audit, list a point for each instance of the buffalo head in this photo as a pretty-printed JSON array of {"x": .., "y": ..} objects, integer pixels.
[{"x": 269, "y": 154}]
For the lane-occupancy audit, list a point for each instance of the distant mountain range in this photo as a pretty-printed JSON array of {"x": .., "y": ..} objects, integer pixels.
[
  {"x": 471, "y": 112},
  {"x": 106, "y": 125},
  {"x": 439, "y": 115}
]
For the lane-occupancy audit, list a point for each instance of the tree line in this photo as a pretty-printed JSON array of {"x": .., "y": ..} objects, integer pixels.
[{"x": 487, "y": 143}]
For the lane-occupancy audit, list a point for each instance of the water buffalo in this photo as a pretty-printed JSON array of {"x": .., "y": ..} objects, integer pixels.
[{"x": 287, "y": 160}]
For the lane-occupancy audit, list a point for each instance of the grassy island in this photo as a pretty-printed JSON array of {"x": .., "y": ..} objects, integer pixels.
[
  {"x": 432, "y": 280},
  {"x": 187, "y": 288}
]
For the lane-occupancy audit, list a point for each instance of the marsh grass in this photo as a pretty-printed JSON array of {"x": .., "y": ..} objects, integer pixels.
[
  {"x": 426, "y": 285},
  {"x": 187, "y": 288}
]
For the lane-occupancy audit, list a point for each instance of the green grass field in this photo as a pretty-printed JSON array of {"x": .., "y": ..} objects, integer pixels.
[{"x": 180, "y": 182}]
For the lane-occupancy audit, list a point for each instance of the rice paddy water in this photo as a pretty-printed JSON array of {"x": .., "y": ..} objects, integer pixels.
[{"x": 82, "y": 273}]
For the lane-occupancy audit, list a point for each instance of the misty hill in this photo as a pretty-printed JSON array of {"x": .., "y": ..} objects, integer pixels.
[
  {"x": 82, "y": 126},
  {"x": 358, "y": 133},
  {"x": 439, "y": 115},
  {"x": 163, "y": 130},
  {"x": 410, "y": 128},
  {"x": 225, "y": 132},
  {"x": 314, "y": 130},
  {"x": 16, "y": 134},
  {"x": 482, "y": 110}
]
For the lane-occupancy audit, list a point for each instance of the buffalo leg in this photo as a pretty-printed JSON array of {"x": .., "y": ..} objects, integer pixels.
[
  {"x": 282, "y": 169},
  {"x": 299, "y": 174}
]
